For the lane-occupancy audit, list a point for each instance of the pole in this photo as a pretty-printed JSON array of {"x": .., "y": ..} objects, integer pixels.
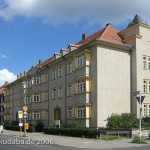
[
  {"x": 20, "y": 128},
  {"x": 24, "y": 114},
  {"x": 140, "y": 117}
]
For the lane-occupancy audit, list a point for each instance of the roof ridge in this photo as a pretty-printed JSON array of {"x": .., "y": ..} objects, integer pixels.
[{"x": 106, "y": 28}]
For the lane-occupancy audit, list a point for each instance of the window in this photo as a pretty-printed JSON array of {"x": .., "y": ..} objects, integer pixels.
[
  {"x": 81, "y": 86},
  {"x": 54, "y": 93},
  {"x": 144, "y": 86},
  {"x": 69, "y": 112},
  {"x": 46, "y": 77},
  {"x": 53, "y": 73},
  {"x": 36, "y": 115},
  {"x": 81, "y": 60},
  {"x": 36, "y": 97},
  {"x": 144, "y": 62},
  {"x": 59, "y": 71},
  {"x": 70, "y": 90},
  {"x": 149, "y": 63},
  {"x": 146, "y": 110},
  {"x": 27, "y": 100},
  {"x": 28, "y": 85},
  {"x": 60, "y": 92},
  {"x": 28, "y": 116},
  {"x": 69, "y": 67},
  {"x": 36, "y": 80},
  {"x": 81, "y": 112}
]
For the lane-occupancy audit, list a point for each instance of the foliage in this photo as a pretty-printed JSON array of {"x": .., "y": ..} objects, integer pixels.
[
  {"x": 136, "y": 139},
  {"x": 14, "y": 123},
  {"x": 1, "y": 123},
  {"x": 72, "y": 125},
  {"x": 124, "y": 120},
  {"x": 39, "y": 126},
  {"x": 146, "y": 122},
  {"x": 17, "y": 128},
  {"x": 74, "y": 132}
]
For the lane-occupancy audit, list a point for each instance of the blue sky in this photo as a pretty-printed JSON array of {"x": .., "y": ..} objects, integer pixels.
[{"x": 34, "y": 29}]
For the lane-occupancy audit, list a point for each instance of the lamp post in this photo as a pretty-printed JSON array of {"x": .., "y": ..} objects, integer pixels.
[
  {"x": 25, "y": 108},
  {"x": 140, "y": 98}
]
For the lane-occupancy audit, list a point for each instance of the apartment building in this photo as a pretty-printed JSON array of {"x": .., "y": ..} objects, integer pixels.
[
  {"x": 87, "y": 81},
  {"x": 2, "y": 98}
]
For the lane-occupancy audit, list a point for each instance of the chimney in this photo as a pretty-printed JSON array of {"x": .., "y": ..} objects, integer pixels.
[
  {"x": 108, "y": 24},
  {"x": 40, "y": 61},
  {"x": 84, "y": 36}
]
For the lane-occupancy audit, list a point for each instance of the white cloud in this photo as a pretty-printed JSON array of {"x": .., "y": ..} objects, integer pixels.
[
  {"x": 5, "y": 75},
  {"x": 3, "y": 56},
  {"x": 73, "y": 11}
]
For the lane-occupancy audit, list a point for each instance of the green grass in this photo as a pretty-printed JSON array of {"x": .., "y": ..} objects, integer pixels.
[
  {"x": 110, "y": 137},
  {"x": 137, "y": 140}
]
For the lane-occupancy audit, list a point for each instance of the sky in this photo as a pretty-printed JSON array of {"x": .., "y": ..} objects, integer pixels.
[{"x": 34, "y": 29}]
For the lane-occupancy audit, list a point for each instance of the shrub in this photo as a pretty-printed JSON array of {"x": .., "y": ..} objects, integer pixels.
[
  {"x": 1, "y": 123},
  {"x": 14, "y": 123},
  {"x": 39, "y": 126},
  {"x": 136, "y": 139},
  {"x": 124, "y": 120},
  {"x": 72, "y": 125},
  {"x": 74, "y": 132},
  {"x": 31, "y": 129}
]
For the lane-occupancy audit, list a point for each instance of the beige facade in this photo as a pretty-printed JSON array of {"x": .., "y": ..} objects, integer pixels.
[{"x": 88, "y": 81}]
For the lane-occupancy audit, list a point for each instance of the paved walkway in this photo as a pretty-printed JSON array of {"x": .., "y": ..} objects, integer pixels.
[{"x": 77, "y": 142}]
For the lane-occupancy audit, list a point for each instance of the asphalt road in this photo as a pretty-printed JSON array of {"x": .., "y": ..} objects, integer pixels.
[{"x": 14, "y": 143}]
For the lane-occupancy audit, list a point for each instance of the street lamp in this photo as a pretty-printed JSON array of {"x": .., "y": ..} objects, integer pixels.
[
  {"x": 25, "y": 108},
  {"x": 140, "y": 98}
]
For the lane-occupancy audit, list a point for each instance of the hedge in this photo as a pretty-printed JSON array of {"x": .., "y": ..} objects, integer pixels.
[
  {"x": 74, "y": 132},
  {"x": 17, "y": 128}
]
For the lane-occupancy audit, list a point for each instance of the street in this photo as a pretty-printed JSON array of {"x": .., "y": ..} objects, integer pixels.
[{"x": 5, "y": 144}]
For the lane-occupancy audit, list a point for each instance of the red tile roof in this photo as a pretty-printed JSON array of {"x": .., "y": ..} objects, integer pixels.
[
  {"x": 109, "y": 33},
  {"x": 49, "y": 60}
]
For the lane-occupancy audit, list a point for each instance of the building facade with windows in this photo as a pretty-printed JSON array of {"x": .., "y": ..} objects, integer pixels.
[{"x": 88, "y": 81}]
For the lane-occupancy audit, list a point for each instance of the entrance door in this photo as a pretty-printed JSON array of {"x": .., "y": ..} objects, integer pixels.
[{"x": 57, "y": 114}]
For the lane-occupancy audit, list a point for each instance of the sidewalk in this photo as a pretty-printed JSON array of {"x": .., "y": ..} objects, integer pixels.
[{"x": 76, "y": 142}]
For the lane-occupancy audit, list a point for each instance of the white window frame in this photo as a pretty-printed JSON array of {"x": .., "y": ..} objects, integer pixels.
[
  {"x": 144, "y": 86},
  {"x": 28, "y": 84},
  {"x": 144, "y": 62},
  {"x": 70, "y": 89},
  {"x": 81, "y": 60},
  {"x": 36, "y": 97},
  {"x": 28, "y": 100},
  {"x": 54, "y": 93},
  {"x": 36, "y": 115},
  {"x": 81, "y": 112},
  {"x": 81, "y": 86},
  {"x": 149, "y": 63},
  {"x": 60, "y": 92},
  {"x": 53, "y": 73},
  {"x": 146, "y": 109},
  {"x": 70, "y": 67},
  {"x": 69, "y": 112},
  {"x": 28, "y": 116},
  {"x": 36, "y": 80},
  {"x": 60, "y": 71}
]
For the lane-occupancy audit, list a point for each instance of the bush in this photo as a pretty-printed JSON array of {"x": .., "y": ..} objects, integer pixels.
[
  {"x": 14, "y": 123},
  {"x": 39, "y": 126},
  {"x": 72, "y": 125},
  {"x": 74, "y": 132},
  {"x": 12, "y": 127},
  {"x": 124, "y": 120},
  {"x": 31, "y": 129},
  {"x": 1, "y": 123},
  {"x": 136, "y": 139}
]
